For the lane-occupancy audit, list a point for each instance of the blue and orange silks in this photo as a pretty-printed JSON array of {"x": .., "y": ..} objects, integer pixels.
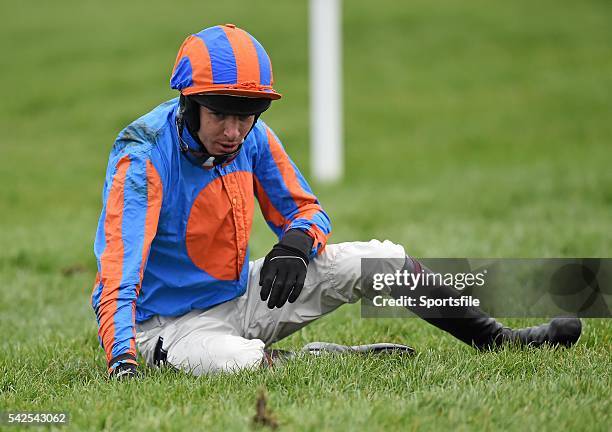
[
  {"x": 223, "y": 59},
  {"x": 173, "y": 237}
]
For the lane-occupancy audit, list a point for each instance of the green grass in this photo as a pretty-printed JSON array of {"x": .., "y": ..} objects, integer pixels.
[{"x": 472, "y": 129}]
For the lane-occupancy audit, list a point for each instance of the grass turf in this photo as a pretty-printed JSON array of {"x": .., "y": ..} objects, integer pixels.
[{"x": 471, "y": 130}]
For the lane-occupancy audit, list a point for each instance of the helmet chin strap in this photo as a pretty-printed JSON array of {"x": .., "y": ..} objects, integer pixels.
[{"x": 201, "y": 157}]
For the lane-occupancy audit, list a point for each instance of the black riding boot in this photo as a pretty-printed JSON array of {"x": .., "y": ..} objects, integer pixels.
[{"x": 476, "y": 328}]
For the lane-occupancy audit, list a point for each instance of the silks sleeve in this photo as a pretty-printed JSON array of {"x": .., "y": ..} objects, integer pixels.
[
  {"x": 285, "y": 199},
  {"x": 132, "y": 200}
]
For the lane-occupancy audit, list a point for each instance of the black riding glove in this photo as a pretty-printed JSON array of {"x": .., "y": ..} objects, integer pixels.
[
  {"x": 284, "y": 269},
  {"x": 124, "y": 371},
  {"x": 123, "y": 367}
]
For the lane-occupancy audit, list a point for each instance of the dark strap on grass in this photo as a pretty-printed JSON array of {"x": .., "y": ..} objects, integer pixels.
[
  {"x": 160, "y": 354},
  {"x": 121, "y": 357}
]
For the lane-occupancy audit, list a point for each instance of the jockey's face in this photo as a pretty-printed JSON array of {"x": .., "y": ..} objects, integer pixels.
[{"x": 223, "y": 133}]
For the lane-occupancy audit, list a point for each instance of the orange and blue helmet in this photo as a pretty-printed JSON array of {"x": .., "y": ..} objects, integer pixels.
[{"x": 223, "y": 60}]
